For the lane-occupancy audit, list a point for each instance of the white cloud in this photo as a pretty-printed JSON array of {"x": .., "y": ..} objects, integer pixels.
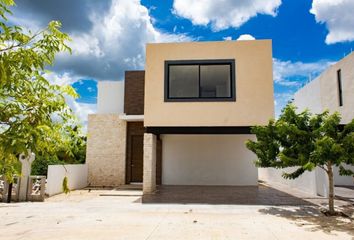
[
  {"x": 288, "y": 73},
  {"x": 104, "y": 43},
  {"x": 115, "y": 43},
  {"x": 245, "y": 37},
  {"x": 240, "y": 38},
  {"x": 81, "y": 110},
  {"x": 338, "y": 17},
  {"x": 223, "y": 14},
  {"x": 61, "y": 79}
]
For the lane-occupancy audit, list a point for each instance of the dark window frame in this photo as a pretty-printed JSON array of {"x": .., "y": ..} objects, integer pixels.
[
  {"x": 339, "y": 85},
  {"x": 230, "y": 62}
]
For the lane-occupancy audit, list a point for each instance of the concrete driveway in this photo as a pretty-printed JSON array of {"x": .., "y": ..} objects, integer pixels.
[{"x": 110, "y": 214}]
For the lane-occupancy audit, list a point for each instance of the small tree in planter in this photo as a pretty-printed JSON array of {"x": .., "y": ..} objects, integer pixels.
[{"x": 305, "y": 141}]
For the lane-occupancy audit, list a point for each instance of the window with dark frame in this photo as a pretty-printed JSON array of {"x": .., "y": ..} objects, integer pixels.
[
  {"x": 339, "y": 82},
  {"x": 200, "y": 80}
]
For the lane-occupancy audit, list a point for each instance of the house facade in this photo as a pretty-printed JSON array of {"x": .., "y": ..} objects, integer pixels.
[
  {"x": 333, "y": 90},
  {"x": 185, "y": 119}
]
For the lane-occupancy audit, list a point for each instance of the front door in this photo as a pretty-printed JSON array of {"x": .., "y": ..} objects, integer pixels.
[{"x": 137, "y": 145}]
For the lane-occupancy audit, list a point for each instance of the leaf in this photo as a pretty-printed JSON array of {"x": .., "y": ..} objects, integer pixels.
[
  {"x": 345, "y": 172},
  {"x": 309, "y": 166},
  {"x": 65, "y": 186},
  {"x": 69, "y": 90}
]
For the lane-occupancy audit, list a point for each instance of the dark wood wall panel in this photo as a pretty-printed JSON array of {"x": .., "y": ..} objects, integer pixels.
[{"x": 134, "y": 92}]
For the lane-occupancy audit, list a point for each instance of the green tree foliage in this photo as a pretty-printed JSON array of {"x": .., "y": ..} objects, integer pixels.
[
  {"x": 77, "y": 155},
  {"x": 40, "y": 165},
  {"x": 305, "y": 141},
  {"x": 33, "y": 113}
]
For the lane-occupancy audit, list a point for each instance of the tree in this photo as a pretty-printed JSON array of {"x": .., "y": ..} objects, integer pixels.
[
  {"x": 77, "y": 155},
  {"x": 33, "y": 113},
  {"x": 305, "y": 141}
]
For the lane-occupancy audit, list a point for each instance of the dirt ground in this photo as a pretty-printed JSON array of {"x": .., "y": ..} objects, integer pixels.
[{"x": 120, "y": 214}]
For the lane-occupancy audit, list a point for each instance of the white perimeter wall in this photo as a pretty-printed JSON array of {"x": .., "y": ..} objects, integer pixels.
[
  {"x": 207, "y": 160},
  {"x": 76, "y": 173},
  {"x": 315, "y": 182},
  {"x": 307, "y": 182},
  {"x": 110, "y": 98},
  {"x": 343, "y": 180}
]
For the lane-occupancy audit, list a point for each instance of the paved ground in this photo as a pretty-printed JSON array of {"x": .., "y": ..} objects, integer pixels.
[
  {"x": 224, "y": 195},
  {"x": 345, "y": 193},
  {"x": 111, "y": 214}
]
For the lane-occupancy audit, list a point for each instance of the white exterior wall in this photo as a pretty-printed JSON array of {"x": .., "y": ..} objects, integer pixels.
[
  {"x": 322, "y": 93},
  {"x": 309, "y": 97},
  {"x": 110, "y": 97},
  {"x": 329, "y": 88},
  {"x": 76, "y": 174},
  {"x": 207, "y": 160}
]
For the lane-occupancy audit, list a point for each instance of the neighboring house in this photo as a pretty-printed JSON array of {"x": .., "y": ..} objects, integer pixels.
[
  {"x": 185, "y": 119},
  {"x": 333, "y": 90}
]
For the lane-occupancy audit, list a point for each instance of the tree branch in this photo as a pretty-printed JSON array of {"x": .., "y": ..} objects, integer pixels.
[
  {"x": 21, "y": 44},
  {"x": 323, "y": 168},
  {"x": 12, "y": 47}
]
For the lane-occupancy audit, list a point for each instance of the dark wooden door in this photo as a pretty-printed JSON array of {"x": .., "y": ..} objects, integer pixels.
[{"x": 137, "y": 145}]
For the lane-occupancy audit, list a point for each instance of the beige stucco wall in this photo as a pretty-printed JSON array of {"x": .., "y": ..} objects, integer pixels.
[
  {"x": 254, "y": 85},
  {"x": 106, "y": 147}
]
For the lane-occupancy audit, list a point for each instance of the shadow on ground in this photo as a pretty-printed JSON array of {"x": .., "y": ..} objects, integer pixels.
[
  {"x": 312, "y": 219},
  {"x": 226, "y": 195},
  {"x": 345, "y": 193}
]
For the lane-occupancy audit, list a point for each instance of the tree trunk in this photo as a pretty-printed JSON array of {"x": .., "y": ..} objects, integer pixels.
[
  {"x": 9, "y": 193},
  {"x": 330, "y": 188}
]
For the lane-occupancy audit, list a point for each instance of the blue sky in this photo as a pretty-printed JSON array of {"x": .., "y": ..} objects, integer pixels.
[{"x": 109, "y": 36}]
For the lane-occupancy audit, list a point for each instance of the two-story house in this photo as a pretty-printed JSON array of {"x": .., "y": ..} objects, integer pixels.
[{"x": 185, "y": 119}]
